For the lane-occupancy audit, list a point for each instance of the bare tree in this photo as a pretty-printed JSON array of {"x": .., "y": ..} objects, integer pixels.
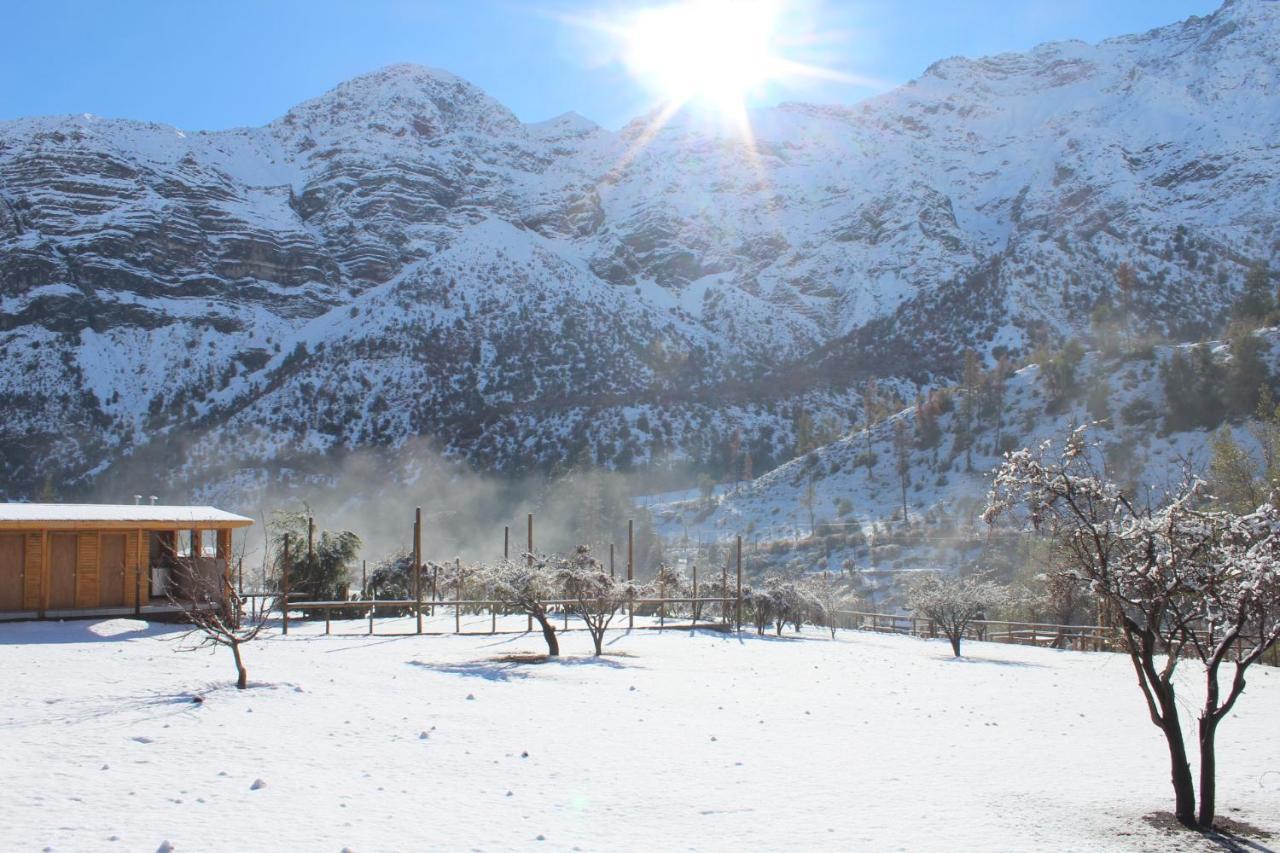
[
  {"x": 525, "y": 587},
  {"x": 221, "y": 620},
  {"x": 593, "y": 595},
  {"x": 952, "y": 604},
  {"x": 1182, "y": 582}
]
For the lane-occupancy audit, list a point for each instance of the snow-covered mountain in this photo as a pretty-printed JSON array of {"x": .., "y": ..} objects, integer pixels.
[{"x": 403, "y": 257}]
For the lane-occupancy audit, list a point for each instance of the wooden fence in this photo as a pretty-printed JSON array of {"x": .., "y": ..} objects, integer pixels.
[
  {"x": 702, "y": 611},
  {"x": 1079, "y": 637}
]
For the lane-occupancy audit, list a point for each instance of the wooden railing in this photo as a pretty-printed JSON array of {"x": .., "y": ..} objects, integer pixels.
[{"x": 1078, "y": 637}]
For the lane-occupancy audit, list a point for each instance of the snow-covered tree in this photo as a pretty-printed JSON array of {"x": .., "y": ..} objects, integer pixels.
[
  {"x": 593, "y": 595},
  {"x": 524, "y": 586},
  {"x": 671, "y": 582},
  {"x": 1183, "y": 582},
  {"x": 827, "y": 595},
  {"x": 780, "y": 601},
  {"x": 952, "y": 603}
]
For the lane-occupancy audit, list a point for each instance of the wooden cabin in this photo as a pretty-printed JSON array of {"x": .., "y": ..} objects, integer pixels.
[{"x": 66, "y": 560}]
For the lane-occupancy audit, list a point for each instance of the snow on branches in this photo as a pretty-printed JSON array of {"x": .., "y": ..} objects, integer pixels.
[
  {"x": 1182, "y": 578},
  {"x": 952, "y": 603},
  {"x": 525, "y": 586},
  {"x": 591, "y": 593}
]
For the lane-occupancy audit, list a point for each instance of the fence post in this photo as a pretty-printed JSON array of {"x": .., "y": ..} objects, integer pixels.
[
  {"x": 693, "y": 608},
  {"x": 284, "y": 583},
  {"x": 631, "y": 543},
  {"x": 372, "y": 608},
  {"x": 611, "y": 574},
  {"x": 739, "y": 560},
  {"x": 417, "y": 565},
  {"x": 529, "y": 562},
  {"x": 457, "y": 596},
  {"x": 724, "y": 590}
]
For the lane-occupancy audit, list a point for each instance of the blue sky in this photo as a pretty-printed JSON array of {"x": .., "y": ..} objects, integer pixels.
[{"x": 235, "y": 62}]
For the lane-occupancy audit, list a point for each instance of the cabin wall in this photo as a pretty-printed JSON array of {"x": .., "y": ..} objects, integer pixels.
[
  {"x": 28, "y": 566},
  {"x": 33, "y": 581}
]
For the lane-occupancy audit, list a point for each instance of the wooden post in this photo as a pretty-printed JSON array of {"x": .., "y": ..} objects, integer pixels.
[
  {"x": 328, "y": 613},
  {"x": 311, "y": 538},
  {"x": 631, "y": 571},
  {"x": 662, "y": 603},
  {"x": 529, "y": 562},
  {"x": 284, "y": 587},
  {"x": 611, "y": 574},
  {"x": 693, "y": 608},
  {"x": 739, "y": 584},
  {"x": 435, "y": 587},
  {"x": 137, "y": 577},
  {"x": 372, "y": 608},
  {"x": 457, "y": 595},
  {"x": 417, "y": 566},
  {"x": 724, "y": 590}
]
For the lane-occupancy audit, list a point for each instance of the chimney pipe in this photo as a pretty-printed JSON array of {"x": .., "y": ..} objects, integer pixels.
[
  {"x": 137, "y": 500},
  {"x": 153, "y": 500}
]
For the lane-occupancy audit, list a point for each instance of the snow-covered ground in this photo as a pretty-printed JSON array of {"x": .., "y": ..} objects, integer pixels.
[{"x": 672, "y": 741}]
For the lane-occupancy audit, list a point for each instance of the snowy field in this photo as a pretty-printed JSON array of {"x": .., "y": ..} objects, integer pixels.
[{"x": 673, "y": 741}]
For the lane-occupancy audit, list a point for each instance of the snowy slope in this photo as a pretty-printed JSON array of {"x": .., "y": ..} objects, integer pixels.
[
  {"x": 673, "y": 740},
  {"x": 947, "y": 483},
  {"x": 155, "y": 282}
]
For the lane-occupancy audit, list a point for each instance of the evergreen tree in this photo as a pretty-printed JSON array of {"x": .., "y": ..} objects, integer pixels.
[
  {"x": 1232, "y": 474},
  {"x": 1247, "y": 374},
  {"x": 1256, "y": 300}
]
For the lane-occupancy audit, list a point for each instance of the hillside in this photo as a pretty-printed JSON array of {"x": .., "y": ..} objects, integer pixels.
[
  {"x": 402, "y": 258},
  {"x": 840, "y": 506}
]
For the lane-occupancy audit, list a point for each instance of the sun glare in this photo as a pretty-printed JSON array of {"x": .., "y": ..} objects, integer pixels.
[{"x": 712, "y": 52}]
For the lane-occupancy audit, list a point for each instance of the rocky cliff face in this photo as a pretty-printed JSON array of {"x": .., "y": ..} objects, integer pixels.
[{"x": 402, "y": 257}]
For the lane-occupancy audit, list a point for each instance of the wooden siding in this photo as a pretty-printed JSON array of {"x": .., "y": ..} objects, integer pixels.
[
  {"x": 62, "y": 571},
  {"x": 33, "y": 585},
  {"x": 113, "y": 565},
  {"x": 87, "y": 588},
  {"x": 12, "y": 566}
]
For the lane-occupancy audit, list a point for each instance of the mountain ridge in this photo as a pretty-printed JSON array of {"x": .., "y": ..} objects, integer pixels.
[{"x": 402, "y": 257}]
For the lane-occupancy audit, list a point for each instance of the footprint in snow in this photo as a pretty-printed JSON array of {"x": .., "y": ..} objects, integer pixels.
[
  {"x": 257, "y": 785},
  {"x": 143, "y": 739},
  {"x": 165, "y": 847}
]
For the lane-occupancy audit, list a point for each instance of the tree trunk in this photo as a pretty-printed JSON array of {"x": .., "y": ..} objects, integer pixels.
[
  {"x": 242, "y": 675},
  {"x": 1184, "y": 789},
  {"x": 955, "y": 642},
  {"x": 597, "y": 637},
  {"x": 1208, "y": 771},
  {"x": 548, "y": 634}
]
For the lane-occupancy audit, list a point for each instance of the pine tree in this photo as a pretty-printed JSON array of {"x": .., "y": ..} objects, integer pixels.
[
  {"x": 902, "y": 449},
  {"x": 1247, "y": 374}
]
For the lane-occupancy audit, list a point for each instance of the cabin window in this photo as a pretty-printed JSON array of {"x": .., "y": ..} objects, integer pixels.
[
  {"x": 208, "y": 543},
  {"x": 185, "y": 543}
]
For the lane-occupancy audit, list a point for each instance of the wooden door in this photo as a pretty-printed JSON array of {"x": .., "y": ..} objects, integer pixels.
[
  {"x": 62, "y": 571},
  {"x": 11, "y": 557},
  {"x": 111, "y": 562}
]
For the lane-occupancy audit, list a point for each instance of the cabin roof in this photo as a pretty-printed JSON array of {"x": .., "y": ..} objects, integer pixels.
[{"x": 37, "y": 516}]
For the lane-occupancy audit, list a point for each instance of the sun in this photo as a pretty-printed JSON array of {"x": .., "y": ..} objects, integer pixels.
[{"x": 715, "y": 53}]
